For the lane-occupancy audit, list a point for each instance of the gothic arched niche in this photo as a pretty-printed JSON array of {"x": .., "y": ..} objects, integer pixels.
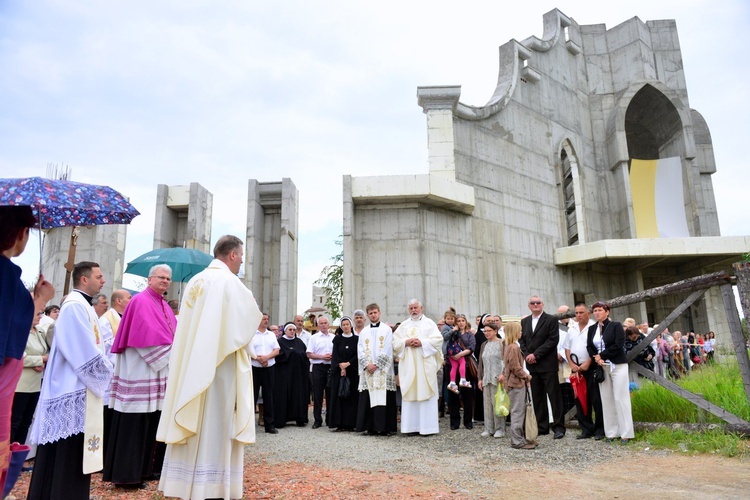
[{"x": 652, "y": 125}]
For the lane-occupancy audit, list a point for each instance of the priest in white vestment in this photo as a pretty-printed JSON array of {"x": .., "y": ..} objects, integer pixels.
[
  {"x": 417, "y": 344},
  {"x": 208, "y": 411}
]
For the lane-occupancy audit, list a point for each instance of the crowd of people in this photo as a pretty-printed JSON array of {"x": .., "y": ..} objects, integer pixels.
[{"x": 145, "y": 389}]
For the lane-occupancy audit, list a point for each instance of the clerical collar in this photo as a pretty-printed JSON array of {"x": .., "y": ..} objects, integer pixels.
[
  {"x": 116, "y": 312},
  {"x": 347, "y": 335},
  {"x": 86, "y": 296},
  {"x": 375, "y": 325}
]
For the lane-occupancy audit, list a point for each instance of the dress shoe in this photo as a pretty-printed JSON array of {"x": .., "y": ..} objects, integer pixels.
[
  {"x": 598, "y": 437},
  {"x": 132, "y": 486},
  {"x": 583, "y": 436},
  {"x": 609, "y": 440},
  {"x": 624, "y": 441},
  {"x": 454, "y": 427},
  {"x": 527, "y": 446},
  {"x": 543, "y": 433},
  {"x": 272, "y": 430},
  {"x": 559, "y": 435},
  {"x": 316, "y": 425}
]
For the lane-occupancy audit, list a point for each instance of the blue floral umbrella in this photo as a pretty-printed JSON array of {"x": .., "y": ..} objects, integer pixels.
[
  {"x": 61, "y": 203},
  {"x": 185, "y": 262}
]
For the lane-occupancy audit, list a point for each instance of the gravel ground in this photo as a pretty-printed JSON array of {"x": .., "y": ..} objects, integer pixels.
[
  {"x": 306, "y": 463},
  {"x": 432, "y": 456}
]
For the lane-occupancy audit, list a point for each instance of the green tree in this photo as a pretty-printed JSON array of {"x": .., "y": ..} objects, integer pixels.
[{"x": 332, "y": 282}]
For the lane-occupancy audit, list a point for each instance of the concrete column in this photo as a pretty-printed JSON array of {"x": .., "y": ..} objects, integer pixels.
[
  {"x": 438, "y": 104},
  {"x": 104, "y": 245},
  {"x": 271, "y": 246},
  {"x": 183, "y": 217}
]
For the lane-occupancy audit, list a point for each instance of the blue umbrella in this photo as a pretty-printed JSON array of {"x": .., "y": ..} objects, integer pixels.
[
  {"x": 61, "y": 203},
  {"x": 185, "y": 262}
]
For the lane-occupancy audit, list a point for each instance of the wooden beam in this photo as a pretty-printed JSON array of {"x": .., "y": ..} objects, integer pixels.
[
  {"x": 703, "y": 282},
  {"x": 738, "y": 340},
  {"x": 663, "y": 325},
  {"x": 697, "y": 400}
]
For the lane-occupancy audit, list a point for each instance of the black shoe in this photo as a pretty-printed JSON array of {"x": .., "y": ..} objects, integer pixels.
[
  {"x": 543, "y": 433},
  {"x": 132, "y": 486},
  {"x": 271, "y": 430},
  {"x": 316, "y": 425},
  {"x": 584, "y": 436},
  {"x": 609, "y": 440},
  {"x": 598, "y": 437},
  {"x": 454, "y": 427},
  {"x": 559, "y": 435}
]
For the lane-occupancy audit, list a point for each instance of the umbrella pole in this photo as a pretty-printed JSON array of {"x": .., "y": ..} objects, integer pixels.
[{"x": 70, "y": 264}]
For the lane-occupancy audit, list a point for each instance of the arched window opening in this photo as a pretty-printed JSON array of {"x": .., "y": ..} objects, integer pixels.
[{"x": 569, "y": 199}]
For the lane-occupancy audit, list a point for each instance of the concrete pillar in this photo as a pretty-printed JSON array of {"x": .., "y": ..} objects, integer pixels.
[
  {"x": 271, "y": 246},
  {"x": 183, "y": 217},
  {"x": 438, "y": 104},
  {"x": 104, "y": 245}
]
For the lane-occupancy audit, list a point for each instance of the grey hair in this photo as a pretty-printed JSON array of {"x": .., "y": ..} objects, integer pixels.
[
  {"x": 359, "y": 312},
  {"x": 159, "y": 267},
  {"x": 414, "y": 301},
  {"x": 96, "y": 298}
]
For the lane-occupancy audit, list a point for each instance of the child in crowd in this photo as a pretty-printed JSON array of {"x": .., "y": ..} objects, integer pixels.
[{"x": 455, "y": 346}]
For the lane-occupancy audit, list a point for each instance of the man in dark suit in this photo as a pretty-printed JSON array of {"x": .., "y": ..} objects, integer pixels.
[{"x": 539, "y": 337}]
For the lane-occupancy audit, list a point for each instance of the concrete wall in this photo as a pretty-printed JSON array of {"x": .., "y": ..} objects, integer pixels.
[
  {"x": 104, "y": 245},
  {"x": 574, "y": 88},
  {"x": 271, "y": 247}
]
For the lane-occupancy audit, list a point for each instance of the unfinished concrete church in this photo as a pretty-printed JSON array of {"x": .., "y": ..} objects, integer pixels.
[{"x": 586, "y": 176}]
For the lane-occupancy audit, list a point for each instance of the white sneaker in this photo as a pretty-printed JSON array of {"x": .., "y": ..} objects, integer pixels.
[
  {"x": 485, "y": 434},
  {"x": 464, "y": 383},
  {"x": 499, "y": 434},
  {"x": 453, "y": 387}
]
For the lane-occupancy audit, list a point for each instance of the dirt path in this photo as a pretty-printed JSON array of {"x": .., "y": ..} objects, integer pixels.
[{"x": 642, "y": 474}]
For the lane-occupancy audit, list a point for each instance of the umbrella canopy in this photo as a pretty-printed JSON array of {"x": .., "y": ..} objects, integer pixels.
[
  {"x": 60, "y": 203},
  {"x": 185, "y": 262}
]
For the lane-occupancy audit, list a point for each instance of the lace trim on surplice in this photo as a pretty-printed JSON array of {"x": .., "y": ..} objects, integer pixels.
[
  {"x": 61, "y": 417},
  {"x": 96, "y": 374}
]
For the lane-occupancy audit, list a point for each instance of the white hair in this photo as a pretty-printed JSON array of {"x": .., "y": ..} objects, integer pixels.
[
  {"x": 414, "y": 301},
  {"x": 160, "y": 267}
]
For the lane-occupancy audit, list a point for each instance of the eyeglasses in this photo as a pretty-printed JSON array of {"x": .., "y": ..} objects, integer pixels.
[
  {"x": 163, "y": 278},
  {"x": 535, "y": 302}
]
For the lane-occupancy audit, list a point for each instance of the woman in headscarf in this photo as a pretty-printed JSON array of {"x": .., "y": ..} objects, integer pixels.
[
  {"x": 343, "y": 410},
  {"x": 291, "y": 392}
]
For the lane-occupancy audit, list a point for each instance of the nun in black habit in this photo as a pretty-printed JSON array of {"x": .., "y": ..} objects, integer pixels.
[{"x": 291, "y": 392}]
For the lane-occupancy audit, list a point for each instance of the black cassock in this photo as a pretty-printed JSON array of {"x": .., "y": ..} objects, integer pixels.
[
  {"x": 344, "y": 411},
  {"x": 292, "y": 391}
]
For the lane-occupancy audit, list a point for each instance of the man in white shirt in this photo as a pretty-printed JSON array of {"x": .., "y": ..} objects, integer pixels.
[
  {"x": 580, "y": 362},
  {"x": 563, "y": 372},
  {"x": 302, "y": 334},
  {"x": 319, "y": 352},
  {"x": 264, "y": 348}
]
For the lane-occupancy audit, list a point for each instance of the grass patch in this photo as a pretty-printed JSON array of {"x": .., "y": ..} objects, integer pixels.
[
  {"x": 712, "y": 442},
  {"x": 721, "y": 384}
]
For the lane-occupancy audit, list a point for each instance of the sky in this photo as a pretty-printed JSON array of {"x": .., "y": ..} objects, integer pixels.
[{"x": 139, "y": 93}]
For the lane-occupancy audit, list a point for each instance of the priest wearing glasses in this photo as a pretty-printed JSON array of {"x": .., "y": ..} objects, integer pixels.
[{"x": 142, "y": 345}]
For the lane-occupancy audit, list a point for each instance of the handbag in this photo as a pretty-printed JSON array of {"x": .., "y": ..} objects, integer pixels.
[
  {"x": 531, "y": 431},
  {"x": 502, "y": 402},
  {"x": 599, "y": 374},
  {"x": 471, "y": 363},
  {"x": 344, "y": 389}
]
